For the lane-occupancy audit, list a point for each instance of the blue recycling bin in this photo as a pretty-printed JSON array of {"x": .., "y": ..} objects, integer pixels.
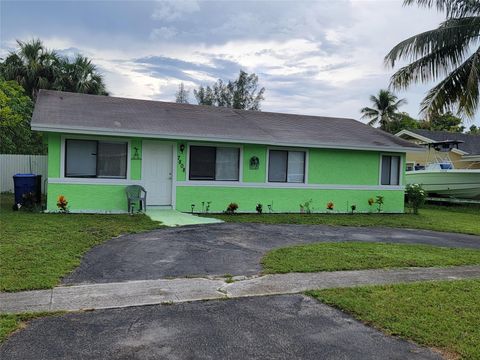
[{"x": 24, "y": 184}]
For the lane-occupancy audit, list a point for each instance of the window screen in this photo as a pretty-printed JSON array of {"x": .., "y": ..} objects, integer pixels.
[
  {"x": 80, "y": 158},
  {"x": 202, "y": 163},
  {"x": 227, "y": 164},
  {"x": 214, "y": 163},
  {"x": 390, "y": 171},
  {"x": 277, "y": 166},
  {"x": 112, "y": 160},
  {"x": 286, "y": 166},
  {"x": 91, "y": 158}
]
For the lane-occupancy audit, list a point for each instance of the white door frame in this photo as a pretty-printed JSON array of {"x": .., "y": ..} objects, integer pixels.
[{"x": 174, "y": 168}]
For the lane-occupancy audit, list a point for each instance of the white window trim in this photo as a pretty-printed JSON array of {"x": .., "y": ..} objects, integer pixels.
[
  {"x": 63, "y": 138},
  {"x": 240, "y": 165},
  {"x": 307, "y": 155},
  {"x": 401, "y": 172}
]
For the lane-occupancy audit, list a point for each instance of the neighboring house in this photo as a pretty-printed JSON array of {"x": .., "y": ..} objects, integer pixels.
[
  {"x": 188, "y": 155},
  {"x": 467, "y": 156}
]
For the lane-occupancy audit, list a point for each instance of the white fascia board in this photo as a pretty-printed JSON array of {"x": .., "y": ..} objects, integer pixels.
[{"x": 126, "y": 133}]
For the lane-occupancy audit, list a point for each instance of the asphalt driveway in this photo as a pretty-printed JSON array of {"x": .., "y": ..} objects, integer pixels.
[
  {"x": 276, "y": 327},
  {"x": 228, "y": 248}
]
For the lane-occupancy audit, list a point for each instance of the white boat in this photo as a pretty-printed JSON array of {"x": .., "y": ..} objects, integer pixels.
[{"x": 440, "y": 178}]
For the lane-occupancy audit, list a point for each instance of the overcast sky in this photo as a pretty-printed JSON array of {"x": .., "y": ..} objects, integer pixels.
[{"x": 313, "y": 57}]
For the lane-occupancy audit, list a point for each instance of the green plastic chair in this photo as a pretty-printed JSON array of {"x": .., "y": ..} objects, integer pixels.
[{"x": 136, "y": 193}]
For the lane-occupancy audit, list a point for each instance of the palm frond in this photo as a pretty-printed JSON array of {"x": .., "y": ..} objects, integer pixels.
[
  {"x": 458, "y": 90},
  {"x": 453, "y": 35},
  {"x": 453, "y": 8}
]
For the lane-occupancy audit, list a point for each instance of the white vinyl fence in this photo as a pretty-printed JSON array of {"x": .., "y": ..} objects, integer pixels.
[{"x": 18, "y": 164}]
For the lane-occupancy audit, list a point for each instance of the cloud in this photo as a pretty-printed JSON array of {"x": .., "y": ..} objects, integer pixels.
[
  {"x": 313, "y": 57},
  {"x": 174, "y": 9}
]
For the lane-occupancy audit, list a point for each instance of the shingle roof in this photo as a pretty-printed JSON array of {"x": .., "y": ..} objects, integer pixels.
[
  {"x": 471, "y": 143},
  {"x": 80, "y": 113}
]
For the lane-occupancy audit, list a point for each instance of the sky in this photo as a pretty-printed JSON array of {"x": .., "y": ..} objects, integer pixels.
[{"x": 313, "y": 57}]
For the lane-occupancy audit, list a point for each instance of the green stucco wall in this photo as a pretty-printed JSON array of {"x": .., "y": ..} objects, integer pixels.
[
  {"x": 346, "y": 167},
  {"x": 101, "y": 198},
  {"x": 284, "y": 200},
  {"x": 53, "y": 158},
  {"x": 325, "y": 167},
  {"x": 251, "y": 174}
]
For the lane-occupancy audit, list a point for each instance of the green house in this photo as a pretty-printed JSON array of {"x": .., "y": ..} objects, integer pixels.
[{"x": 193, "y": 157}]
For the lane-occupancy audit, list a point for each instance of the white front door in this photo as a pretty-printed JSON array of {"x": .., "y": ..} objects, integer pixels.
[{"x": 157, "y": 172}]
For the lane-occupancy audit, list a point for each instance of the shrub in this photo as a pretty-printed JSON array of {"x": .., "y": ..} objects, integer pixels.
[
  {"x": 379, "y": 202},
  {"x": 62, "y": 204},
  {"x": 353, "y": 208},
  {"x": 259, "y": 208},
  {"x": 416, "y": 196},
  {"x": 330, "y": 205},
  {"x": 231, "y": 208},
  {"x": 305, "y": 207}
]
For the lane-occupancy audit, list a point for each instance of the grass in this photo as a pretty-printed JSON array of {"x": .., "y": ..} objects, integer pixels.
[
  {"x": 353, "y": 255},
  {"x": 459, "y": 219},
  {"x": 440, "y": 314},
  {"x": 37, "y": 249},
  {"x": 12, "y": 322}
]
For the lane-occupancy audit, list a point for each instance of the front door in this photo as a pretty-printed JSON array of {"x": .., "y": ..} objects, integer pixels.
[{"x": 157, "y": 172}]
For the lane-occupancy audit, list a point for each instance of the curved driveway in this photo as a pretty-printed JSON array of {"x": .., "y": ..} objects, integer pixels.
[{"x": 228, "y": 248}]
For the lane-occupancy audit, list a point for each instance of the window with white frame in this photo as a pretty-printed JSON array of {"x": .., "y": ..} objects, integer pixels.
[
  {"x": 286, "y": 166},
  {"x": 390, "y": 170},
  {"x": 95, "y": 159},
  {"x": 214, "y": 163}
]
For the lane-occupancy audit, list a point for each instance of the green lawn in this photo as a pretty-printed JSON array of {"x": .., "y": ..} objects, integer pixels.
[
  {"x": 333, "y": 256},
  {"x": 37, "y": 249},
  {"x": 440, "y": 314},
  {"x": 459, "y": 219},
  {"x": 11, "y": 322}
]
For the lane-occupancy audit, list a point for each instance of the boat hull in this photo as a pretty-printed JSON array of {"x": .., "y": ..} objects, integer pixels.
[{"x": 462, "y": 184}]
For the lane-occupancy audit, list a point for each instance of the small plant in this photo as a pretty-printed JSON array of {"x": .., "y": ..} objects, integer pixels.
[
  {"x": 330, "y": 206},
  {"x": 270, "y": 207},
  {"x": 193, "y": 207},
  {"x": 416, "y": 197},
  {"x": 229, "y": 278},
  {"x": 371, "y": 201},
  {"x": 207, "y": 208},
  {"x": 62, "y": 204},
  {"x": 306, "y": 207},
  {"x": 231, "y": 208},
  {"x": 259, "y": 208},
  {"x": 379, "y": 202},
  {"x": 353, "y": 207}
]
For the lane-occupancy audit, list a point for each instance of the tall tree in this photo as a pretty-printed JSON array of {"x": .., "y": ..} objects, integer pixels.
[
  {"x": 35, "y": 67},
  {"x": 449, "y": 53},
  {"x": 79, "y": 75},
  {"x": 15, "y": 114},
  {"x": 182, "y": 95},
  {"x": 242, "y": 93},
  {"x": 32, "y": 66},
  {"x": 444, "y": 122},
  {"x": 384, "y": 109}
]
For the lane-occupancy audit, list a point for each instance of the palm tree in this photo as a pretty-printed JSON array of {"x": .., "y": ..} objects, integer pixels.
[
  {"x": 384, "y": 110},
  {"x": 32, "y": 66},
  {"x": 449, "y": 53},
  {"x": 79, "y": 76}
]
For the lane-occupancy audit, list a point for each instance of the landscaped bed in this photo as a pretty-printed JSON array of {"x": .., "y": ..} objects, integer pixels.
[
  {"x": 363, "y": 255},
  {"x": 440, "y": 314},
  {"x": 36, "y": 249},
  {"x": 459, "y": 219}
]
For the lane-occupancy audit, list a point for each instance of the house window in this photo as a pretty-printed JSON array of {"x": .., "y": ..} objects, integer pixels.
[
  {"x": 214, "y": 163},
  {"x": 390, "y": 172},
  {"x": 95, "y": 159},
  {"x": 286, "y": 166}
]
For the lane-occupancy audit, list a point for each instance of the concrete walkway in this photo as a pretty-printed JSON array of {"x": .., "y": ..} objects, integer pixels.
[
  {"x": 149, "y": 292},
  {"x": 169, "y": 217}
]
